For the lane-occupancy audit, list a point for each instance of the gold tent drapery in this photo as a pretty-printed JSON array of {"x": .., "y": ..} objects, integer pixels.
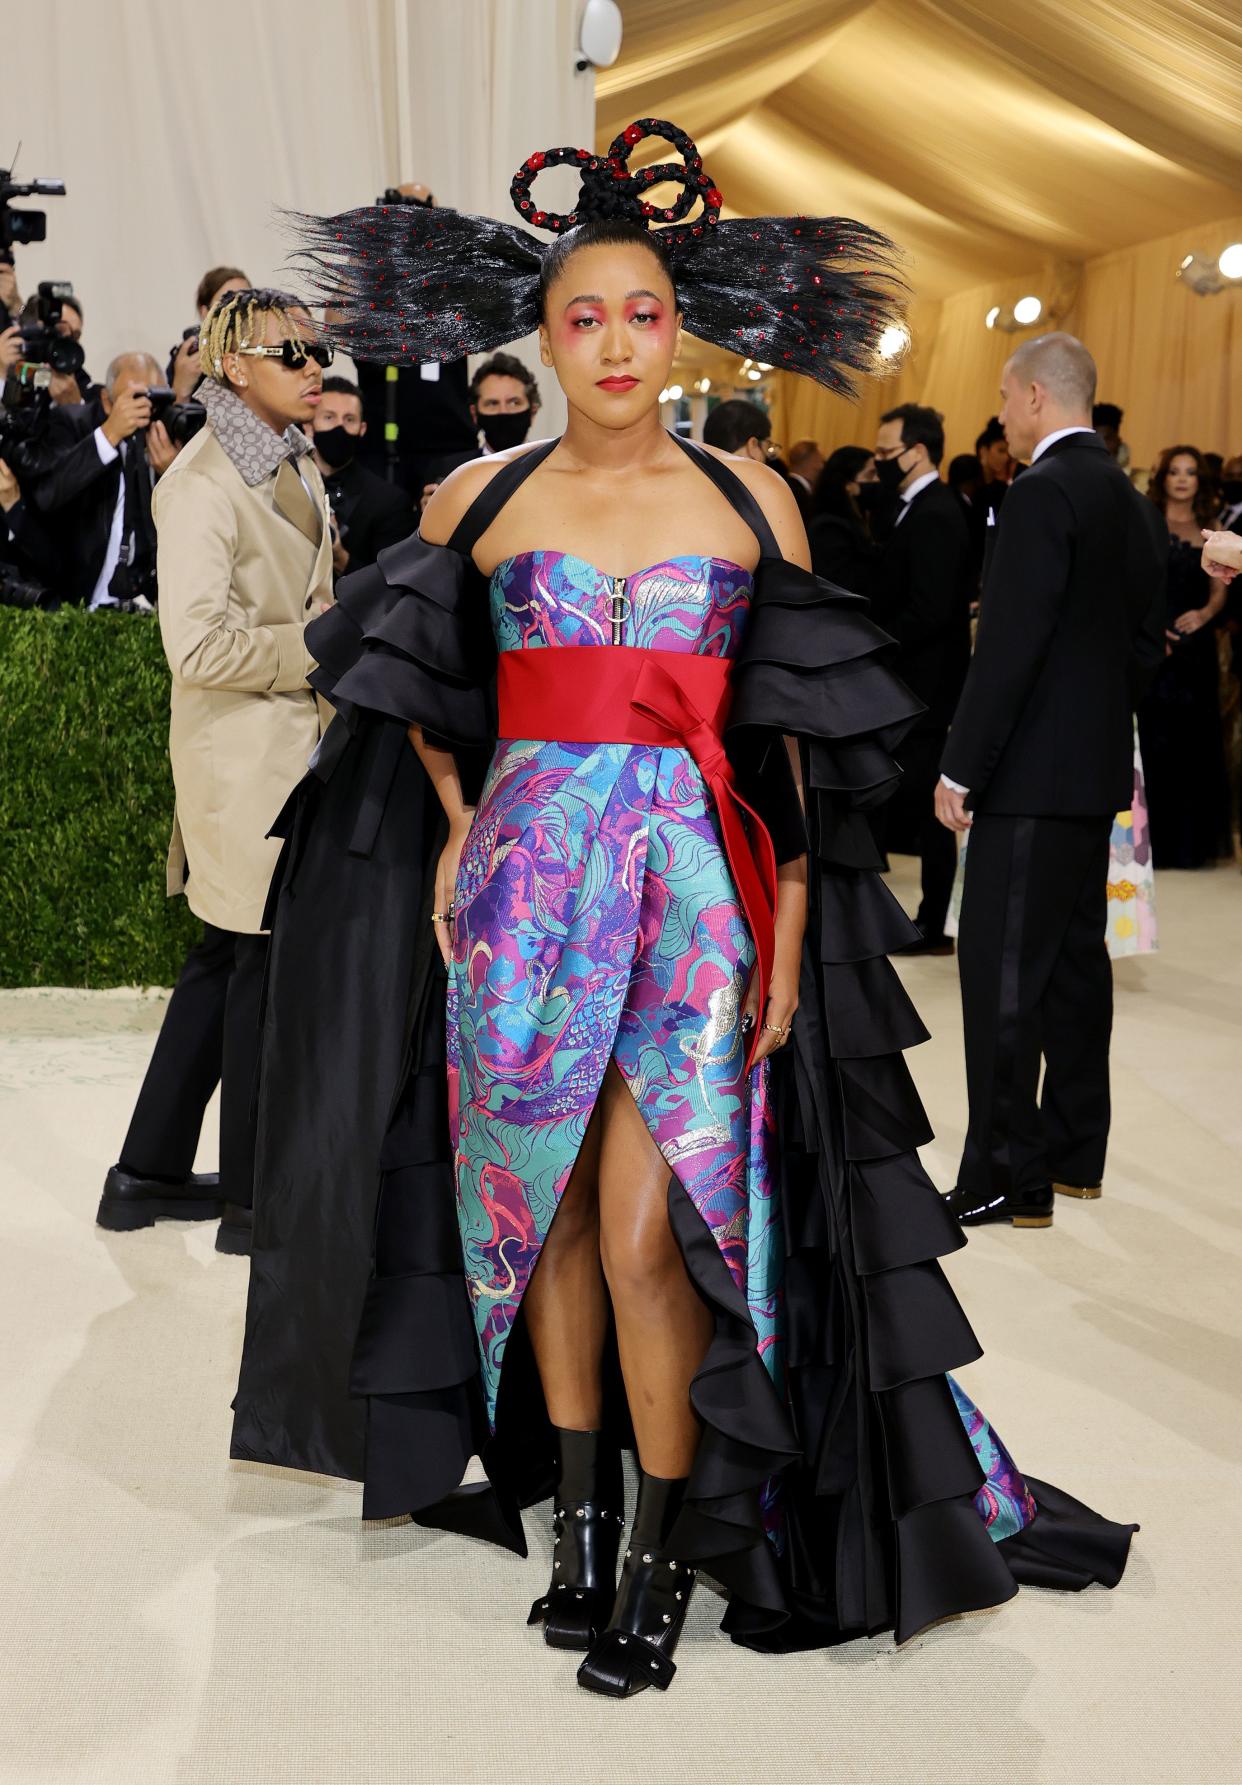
[{"x": 991, "y": 142}]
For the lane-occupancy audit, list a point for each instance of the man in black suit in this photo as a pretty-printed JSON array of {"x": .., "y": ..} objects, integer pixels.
[
  {"x": 368, "y": 512},
  {"x": 1041, "y": 747},
  {"x": 93, "y": 472},
  {"x": 922, "y": 592}
]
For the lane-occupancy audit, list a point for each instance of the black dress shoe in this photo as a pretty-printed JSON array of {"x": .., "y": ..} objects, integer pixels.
[
  {"x": 233, "y": 1234},
  {"x": 586, "y": 1536},
  {"x": 130, "y": 1201},
  {"x": 1023, "y": 1208},
  {"x": 928, "y": 945},
  {"x": 636, "y": 1650}
]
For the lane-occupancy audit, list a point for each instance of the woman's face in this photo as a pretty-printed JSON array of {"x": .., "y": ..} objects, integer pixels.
[
  {"x": 1181, "y": 483},
  {"x": 611, "y": 332}
]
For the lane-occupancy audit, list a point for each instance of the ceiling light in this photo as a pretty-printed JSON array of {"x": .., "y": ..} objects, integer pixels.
[
  {"x": 674, "y": 393},
  {"x": 763, "y": 365},
  {"x": 1203, "y": 273},
  {"x": 894, "y": 341},
  {"x": 1230, "y": 262},
  {"x": 754, "y": 374},
  {"x": 703, "y": 386},
  {"x": 664, "y": 396},
  {"x": 1027, "y": 310},
  {"x": 992, "y": 317}
]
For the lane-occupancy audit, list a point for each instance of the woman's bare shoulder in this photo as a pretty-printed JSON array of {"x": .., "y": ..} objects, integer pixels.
[
  {"x": 461, "y": 487},
  {"x": 775, "y": 498}
]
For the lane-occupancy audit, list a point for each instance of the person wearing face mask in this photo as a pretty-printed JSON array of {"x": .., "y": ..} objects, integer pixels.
[
  {"x": 921, "y": 594},
  {"x": 368, "y": 513},
  {"x": 504, "y": 400},
  {"x": 844, "y": 497}
]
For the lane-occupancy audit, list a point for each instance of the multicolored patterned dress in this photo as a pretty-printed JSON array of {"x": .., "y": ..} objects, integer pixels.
[{"x": 595, "y": 919}]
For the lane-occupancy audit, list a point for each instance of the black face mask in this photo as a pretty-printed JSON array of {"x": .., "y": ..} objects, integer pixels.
[
  {"x": 335, "y": 446},
  {"x": 504, "y": 429},
  {"x": 889, "y": 471},
  {"x": 871, "y": 497},
  {"x": 1231, "y": 489}
]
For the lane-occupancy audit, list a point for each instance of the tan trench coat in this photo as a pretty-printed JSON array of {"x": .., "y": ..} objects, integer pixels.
[{"x": 241, "y": 571}]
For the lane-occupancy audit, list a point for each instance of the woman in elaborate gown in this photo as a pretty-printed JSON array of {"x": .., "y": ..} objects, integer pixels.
[{"x": 583, "y": 1121}]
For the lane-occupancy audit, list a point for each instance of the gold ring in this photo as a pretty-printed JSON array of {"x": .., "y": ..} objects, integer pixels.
[
  {"x": 441, "y": 916},
  {"x": 776, "y": 1029}
]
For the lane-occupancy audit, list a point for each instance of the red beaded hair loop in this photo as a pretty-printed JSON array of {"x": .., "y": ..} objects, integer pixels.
[{"x": 609, "y": 189}]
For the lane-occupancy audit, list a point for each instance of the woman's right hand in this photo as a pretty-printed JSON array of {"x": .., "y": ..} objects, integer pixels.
[{"x": 446, "y": 882}]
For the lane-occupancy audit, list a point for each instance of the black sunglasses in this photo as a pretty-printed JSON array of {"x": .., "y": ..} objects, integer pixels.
[{"x": 290, "y": 354}]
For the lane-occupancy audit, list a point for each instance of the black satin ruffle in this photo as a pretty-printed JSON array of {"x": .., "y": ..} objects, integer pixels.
[{"x": 408, "y": 637}]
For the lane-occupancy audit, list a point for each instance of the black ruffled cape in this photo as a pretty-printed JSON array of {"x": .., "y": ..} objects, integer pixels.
[{"x": 360, "y": 1357}]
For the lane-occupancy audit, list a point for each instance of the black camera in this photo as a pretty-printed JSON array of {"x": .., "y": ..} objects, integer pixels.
[
  {"x": 182, "y": 420},
  {"x": 42, "y": 345},
  {"x": 24, "y": 408},
  {"x": 23, "y": 226},
  {"x": 391, "y": 196}
]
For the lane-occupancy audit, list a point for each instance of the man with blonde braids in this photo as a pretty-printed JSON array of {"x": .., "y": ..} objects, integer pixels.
[{"x": 244, "y": 562}]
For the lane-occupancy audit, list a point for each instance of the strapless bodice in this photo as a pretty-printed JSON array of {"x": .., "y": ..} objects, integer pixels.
[{"x": 690, "y": 603}]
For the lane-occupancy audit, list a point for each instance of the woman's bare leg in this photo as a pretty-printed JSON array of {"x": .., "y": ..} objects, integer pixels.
[
  {"x": 663, "y": 1327},
  {"x": 566, "y": 1302}
]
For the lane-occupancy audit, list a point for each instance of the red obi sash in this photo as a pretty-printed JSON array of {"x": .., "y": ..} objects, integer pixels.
[{"x": 617, "y": 694}]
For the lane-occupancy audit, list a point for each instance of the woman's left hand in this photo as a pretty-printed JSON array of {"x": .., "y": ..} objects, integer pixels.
[{"x": 775, "y": 1021}]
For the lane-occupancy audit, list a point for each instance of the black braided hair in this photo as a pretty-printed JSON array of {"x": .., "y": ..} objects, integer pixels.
[{"x": 806, "y": 294}]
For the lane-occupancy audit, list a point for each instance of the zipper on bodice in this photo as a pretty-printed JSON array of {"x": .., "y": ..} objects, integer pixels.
[{"x": 620, "y": 609}]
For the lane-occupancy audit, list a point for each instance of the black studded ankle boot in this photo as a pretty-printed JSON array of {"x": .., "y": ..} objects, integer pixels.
[
  {"x": 588, "y": 1513},
  {"x": 636, "y": 1650}
]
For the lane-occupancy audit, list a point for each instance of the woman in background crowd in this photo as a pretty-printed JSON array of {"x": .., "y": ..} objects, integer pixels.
[
  {"x": 1179, "y": 721},
  {"x": 845, "y": 494}
]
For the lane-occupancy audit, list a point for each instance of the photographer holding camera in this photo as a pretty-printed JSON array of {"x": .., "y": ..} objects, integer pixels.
[
  {"x": 94, "y": 468},
  {"x": 245, "y": 558}
]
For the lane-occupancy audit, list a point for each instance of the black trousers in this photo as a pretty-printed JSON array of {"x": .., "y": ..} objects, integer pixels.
[
  {"x": 209, "y": 1037},
  {"x": 908, "y": 821},
  {"x": 1036, "y": 980}
]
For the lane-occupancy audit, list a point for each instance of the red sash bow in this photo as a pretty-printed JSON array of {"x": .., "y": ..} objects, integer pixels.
[{"x": 616, "y": 694}]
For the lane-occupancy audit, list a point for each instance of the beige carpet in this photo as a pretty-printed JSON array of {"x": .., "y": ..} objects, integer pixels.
[{"x": 171, "y": 1619}]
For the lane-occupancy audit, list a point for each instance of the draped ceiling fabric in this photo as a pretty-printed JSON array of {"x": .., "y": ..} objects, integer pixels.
[{"x": 1082, "y": 145}]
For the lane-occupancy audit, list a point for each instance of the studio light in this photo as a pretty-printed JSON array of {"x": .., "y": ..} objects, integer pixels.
[
  {"x": 992, "y": 317},
  {"x": 703, "y": 386},
  {"x": 1027, "y": 311},
  {"x": 1207, "y": 274},
  {"x": 674, "y": 393}
]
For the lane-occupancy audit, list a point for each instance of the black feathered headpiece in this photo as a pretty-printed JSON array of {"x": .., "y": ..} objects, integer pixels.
[{"x": 805, "y": 294}]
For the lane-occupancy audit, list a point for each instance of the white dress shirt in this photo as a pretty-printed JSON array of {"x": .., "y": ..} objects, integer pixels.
[
  {"x": 1045, "y": 443},
  {"x": 112, "y": 557},
  {"x": 1059, "y": 434},
  {"x": 908, "y": 494}
]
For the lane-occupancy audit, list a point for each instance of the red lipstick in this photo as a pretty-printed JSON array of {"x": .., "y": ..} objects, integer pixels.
[{"x": 621, "y": 381}]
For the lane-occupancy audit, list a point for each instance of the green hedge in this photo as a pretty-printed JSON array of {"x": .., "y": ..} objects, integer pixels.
[{"x": 86, "y": 803}]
